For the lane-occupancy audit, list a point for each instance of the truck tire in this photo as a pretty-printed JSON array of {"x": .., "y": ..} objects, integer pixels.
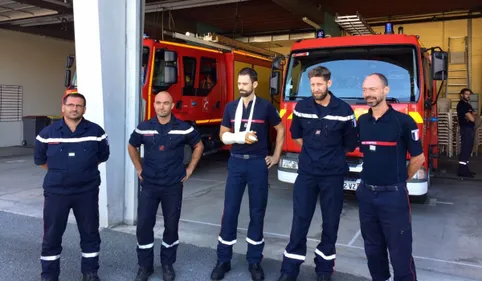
[{"x": 187, "y": 154}]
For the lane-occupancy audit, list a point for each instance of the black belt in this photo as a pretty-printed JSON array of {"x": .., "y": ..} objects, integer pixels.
[
  {"x": 246, "y": 156},
  {"x": 381, "y": 187}
]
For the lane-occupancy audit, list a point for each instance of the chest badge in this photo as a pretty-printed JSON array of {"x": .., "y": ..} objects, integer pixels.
[
  {"x": 317, "y": 132},
  {"x": 373, "y": 148},
  {"x": 161, "y": 148}
]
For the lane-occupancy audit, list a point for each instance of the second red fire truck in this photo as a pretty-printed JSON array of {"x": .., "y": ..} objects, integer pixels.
[{"x": 201, "y": 75}]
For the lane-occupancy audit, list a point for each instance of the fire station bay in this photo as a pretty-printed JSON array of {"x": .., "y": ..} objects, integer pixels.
[{"x": 238, "y": 140}]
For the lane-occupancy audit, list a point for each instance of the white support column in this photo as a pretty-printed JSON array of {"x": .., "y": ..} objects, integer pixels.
[
  {"x": 134, "y": 35},
  {"x": 108, "y": 50}
]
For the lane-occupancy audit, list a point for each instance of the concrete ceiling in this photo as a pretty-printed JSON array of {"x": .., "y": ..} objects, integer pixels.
[{"x": 230, "y": 17}]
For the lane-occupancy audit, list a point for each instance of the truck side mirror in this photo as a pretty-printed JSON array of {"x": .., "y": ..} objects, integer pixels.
[
  {"x": 275, "y": 83},
  {"x": 70, "y": 61},
  {"x": 68, "y": 77},
  {"x": 278, "y": 63},
  {"x": 170, "y": 75},
  {"x": 170, "y": 56},
  {"x": 170, "y": 69},
  {"x": 440, "y": 65}
]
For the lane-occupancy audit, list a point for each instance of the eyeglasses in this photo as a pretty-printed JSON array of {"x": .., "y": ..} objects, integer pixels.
[
  {"x": 371, "y": 90},
  {"x": 71, "y": 105}
]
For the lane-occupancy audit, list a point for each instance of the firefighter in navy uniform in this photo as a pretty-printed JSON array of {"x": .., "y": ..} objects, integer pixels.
[
  {"x": 466, "y": 117},
  {"x": 162, "y": 175},
  {"x": 250, "y": 118},
  {"x": 71, "y": 150},
  {"x": 386, "y": 135},
  {"x": 325, "y": 127}
]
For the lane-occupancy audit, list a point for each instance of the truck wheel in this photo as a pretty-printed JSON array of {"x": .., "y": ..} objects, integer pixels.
[{"x": 187, "y": 154}]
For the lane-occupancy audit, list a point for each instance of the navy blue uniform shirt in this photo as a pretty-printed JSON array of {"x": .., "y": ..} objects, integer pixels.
[
  {"x": 264, "y": 115},
  {"x": 163, "y": 163},
  {"x": 384, "y": 144},
  {"x": 328, "y": 133},
  {"x": 72, "y": 157},
  {"x": 462, "y": 108}
]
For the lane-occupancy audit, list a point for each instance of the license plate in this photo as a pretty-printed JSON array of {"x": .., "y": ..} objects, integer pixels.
[{"x": 350, "y": 185}]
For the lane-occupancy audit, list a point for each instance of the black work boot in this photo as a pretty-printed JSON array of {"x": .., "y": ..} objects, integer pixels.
[
  {"x": 286, "y": 277},
  {"x": 219, "y": 270},
  {"x": 464, "y": 171},
  {"x": 49, "y": 279},
  {"x": 168, "y": 273},
  {"x": 257, "y": 273},
  {"x": 144, "y": 273},
  {"x": 323, "y": 278},
  {"x": 468, "y": 169},
  {"x": 90, "y": 276}
]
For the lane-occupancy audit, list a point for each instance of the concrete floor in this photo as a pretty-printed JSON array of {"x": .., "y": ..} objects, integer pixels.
[{"x": 447, "y": 240}]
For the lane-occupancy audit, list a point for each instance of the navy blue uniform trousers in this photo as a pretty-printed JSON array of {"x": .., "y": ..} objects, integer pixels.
[
  {"x": 254, "y": 173},
  {"x": 385, "y": 222},
  {"x": 306, "y": 191},
  {"x": 170, "y": 198},
  {"x": 467, "y": 135},
  {"x": 85, "y": 207}
]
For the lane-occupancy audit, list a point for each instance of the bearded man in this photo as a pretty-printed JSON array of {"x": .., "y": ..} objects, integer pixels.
[
  {"x": 325, "y": 128},
  {"x": 250, "y": 118}
]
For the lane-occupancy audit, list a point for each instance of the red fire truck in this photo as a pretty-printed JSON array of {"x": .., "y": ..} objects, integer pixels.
[
  {"x": 412, "y": 74},
  {"x": 201, "y": 75}
]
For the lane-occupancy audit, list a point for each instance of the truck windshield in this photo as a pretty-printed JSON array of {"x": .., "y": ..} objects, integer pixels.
[{"x": 350, "y": 65}]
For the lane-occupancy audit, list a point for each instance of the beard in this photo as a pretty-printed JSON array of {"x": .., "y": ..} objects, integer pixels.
[
  {"x": 244, "y": 93},
  {"x": 374, "y": 101},
  {"x": 163, "y": 114},
  {"x": 320, "y": 97}
]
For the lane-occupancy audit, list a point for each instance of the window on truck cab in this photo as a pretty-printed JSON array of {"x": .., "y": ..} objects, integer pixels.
[
  {"x": 145, "y": 62},
  {"x": 189, "y": 66},
  {"x": 158, "y": 76},
  {"x": 207, "y": 76},
  {"x": 350, "y": 65}
]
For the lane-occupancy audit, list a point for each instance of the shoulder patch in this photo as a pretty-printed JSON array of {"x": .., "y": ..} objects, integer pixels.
[{"x": 415, "y": 135}]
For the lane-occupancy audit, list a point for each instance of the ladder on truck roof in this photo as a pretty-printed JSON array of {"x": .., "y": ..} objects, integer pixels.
[
  {"x": 354, "y": 24},
  {"x": 222, "y": 43}
]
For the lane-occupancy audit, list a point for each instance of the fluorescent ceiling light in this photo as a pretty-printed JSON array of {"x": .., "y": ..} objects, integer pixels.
[{"x": 310, "y": 22}]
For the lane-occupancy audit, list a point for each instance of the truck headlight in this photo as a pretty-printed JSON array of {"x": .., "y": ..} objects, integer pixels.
[{"x": 289, "y": 164}]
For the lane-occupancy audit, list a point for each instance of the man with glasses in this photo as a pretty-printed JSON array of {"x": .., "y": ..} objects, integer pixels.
[
  {"x": 386, "y": 135},
  {"x": 71, "y": 150}
]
